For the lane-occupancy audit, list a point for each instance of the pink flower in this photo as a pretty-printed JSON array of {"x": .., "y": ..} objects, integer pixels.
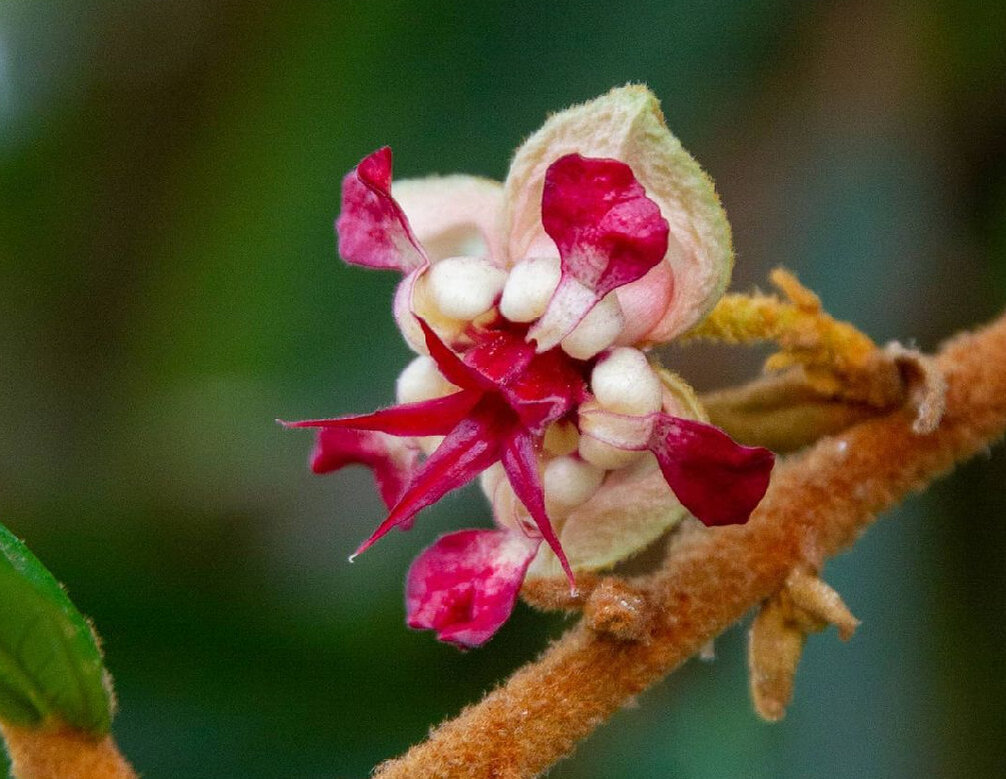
[{"x": 529, "y": 304}]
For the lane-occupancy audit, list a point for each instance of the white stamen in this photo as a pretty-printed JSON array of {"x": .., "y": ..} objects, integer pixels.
[
  {"x": 464, "y": 287},
  {"x": 623, "y": 382},
  {"x": 570, "y": 481},
  {"x": 596, "y": 331},
  {"x": 627, "y": 431},
  {"x": 412, "y": 300},
  {"x": 508, "y": 511},
  {"x": 611, "y": 441},
  {"x": 528, "y": 288},
  {"x": 421, "y": 380}
]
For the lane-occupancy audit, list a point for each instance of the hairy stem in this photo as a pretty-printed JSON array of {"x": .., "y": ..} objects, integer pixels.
[
  {"x": 59, "y": 752},
  {"x": 817, "y": 505}
]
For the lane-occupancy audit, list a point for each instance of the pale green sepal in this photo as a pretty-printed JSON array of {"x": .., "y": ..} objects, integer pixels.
[
  {"x": 627, "y": 515},
  {"x": 627, "y": 124}
]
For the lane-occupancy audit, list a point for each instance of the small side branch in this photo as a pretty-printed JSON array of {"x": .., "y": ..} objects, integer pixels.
[
  {"x": 818, "y": 503},
  {"x": 837, "y": 359},
  {"x": 778, "y": 632}
]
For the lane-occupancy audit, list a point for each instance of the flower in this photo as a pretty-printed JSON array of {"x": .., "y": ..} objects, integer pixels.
[{"x": 529, "y": 305}]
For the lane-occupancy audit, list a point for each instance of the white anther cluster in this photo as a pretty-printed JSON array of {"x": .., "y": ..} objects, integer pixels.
[
  {"x": 457, "y": 290},
  {"x": 616, "y": 425},
  {"x": 610, "y": 432}
]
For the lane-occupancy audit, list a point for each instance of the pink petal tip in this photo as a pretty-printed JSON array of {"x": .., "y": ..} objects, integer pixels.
[
  {"x": 607, "y": 231},
  {"x": 465, "y": 585},
  {"x": 393, "y": 460},
  {"x": 718, "y": 480},
  {"x": 373, "y": 230}
]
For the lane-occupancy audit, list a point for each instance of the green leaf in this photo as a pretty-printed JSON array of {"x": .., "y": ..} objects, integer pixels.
[{"x": 50, "y": 664}]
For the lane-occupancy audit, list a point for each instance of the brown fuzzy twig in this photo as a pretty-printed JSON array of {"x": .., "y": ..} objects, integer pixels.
[
  {"x": 818, "y": 504},
  {"x": 60, "y": 752}
]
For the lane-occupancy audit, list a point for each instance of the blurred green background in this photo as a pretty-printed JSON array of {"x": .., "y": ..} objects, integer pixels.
[{"x": 169, "y": 173}]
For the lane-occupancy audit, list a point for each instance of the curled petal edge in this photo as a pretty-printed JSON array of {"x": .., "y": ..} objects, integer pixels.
[
  {"x": 373, "y": 229},
  {"x": 453, "y": 215},
  {"x": 627, "y": 124},
  {"x": 718, "y": 480},
  {"x": 393, "y": 460}
]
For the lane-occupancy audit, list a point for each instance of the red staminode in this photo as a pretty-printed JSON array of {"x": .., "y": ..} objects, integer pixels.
[{"x": 509, "y": 395}]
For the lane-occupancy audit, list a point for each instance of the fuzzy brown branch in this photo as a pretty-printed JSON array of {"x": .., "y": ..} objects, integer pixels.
[
  {"x": 60, "y": 752},
  {"x": 818, "y": 504}
]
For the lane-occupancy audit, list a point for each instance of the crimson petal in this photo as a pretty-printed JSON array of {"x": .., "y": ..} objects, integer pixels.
[
  {"x": 392, "y": 459},
  {"x": 471, "y": 447},
  {"x": 546, "y": 390},
  {"x": 450, "y": 365},
  {"x": 608, "y": 232},
  {"x": 465, "y": 585},
  {"x": 373, "y": 230},
  {"x": 500, "y": 357},
  {"x": 521, "y": 465},
  {"x": 425, "y": 417},
  {"x": 539, "y": 387},
  {"x": 713, "y": 476}
]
